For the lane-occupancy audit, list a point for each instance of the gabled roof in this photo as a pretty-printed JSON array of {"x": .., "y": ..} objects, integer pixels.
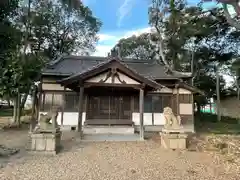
[
  {"x": 70, "y": 65},
  {"x": 105, "y": 65}
]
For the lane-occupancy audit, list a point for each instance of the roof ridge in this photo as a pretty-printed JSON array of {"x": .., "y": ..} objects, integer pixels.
[{"x": 94, "y": 58}]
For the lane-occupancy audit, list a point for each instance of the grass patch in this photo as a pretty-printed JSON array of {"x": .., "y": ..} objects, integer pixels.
[
  {"x": 4, "y": 112},
  {"x": 207, "y": 123}
]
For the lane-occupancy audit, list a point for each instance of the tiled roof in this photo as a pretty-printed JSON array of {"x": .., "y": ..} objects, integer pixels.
[
  {"x": 70, "y": 65},
  {"x": 149, "y": 80}
]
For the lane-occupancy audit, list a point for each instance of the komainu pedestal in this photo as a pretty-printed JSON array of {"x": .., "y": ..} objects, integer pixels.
[
  {"x": 46, "y": 142},
  {"x": 173, "y": 135},
  {"x": 173, "y": 140},
  {"x": 46, "y": 137}
]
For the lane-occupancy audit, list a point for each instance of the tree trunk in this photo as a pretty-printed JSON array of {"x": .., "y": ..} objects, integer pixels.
[
  {"x": 238, "y": 94},
  {"x": 15, "y": 104},
  {"x": 18, "y": 109},
  {"x": 218, "y": 96},
  {"x": 24, "y": 99},
  {"x": 238, "y": 88},
  {"x": 9, "y": 103},
  {"x": 198, "y": 108},
  {"x": 210, "y": 107}
]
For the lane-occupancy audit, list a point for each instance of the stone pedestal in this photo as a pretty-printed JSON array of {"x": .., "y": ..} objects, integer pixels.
[
  {"x": 173, "y": 139},
  {"x": 46, "y": 142}
]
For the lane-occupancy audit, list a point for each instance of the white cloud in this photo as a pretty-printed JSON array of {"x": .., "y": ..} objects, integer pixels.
[
  {"x": 106, "y": 37},
  {"x": 103, "y": 50},
  {"x": 124, "y": 10},
  {"x": 137, "y": 32},
  {"x": 108, "y": 41}
]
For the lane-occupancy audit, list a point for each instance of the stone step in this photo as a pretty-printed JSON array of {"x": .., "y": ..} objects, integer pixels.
[
  {"x": 111, "y": 137},
  {"x": 108, "y": 130}
]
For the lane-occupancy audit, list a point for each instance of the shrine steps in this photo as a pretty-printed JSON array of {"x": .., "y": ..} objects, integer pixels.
[{"x": 108, "y": 130}]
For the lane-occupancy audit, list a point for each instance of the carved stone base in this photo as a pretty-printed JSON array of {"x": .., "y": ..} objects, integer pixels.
[
  {"x": 46, "y": 142},
  {"x": 173, "y": 140}
]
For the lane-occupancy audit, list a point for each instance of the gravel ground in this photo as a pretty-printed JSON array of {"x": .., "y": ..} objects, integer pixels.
[{"x": 113, "y": 161}]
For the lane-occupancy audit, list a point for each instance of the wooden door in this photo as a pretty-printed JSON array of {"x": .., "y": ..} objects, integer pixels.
[{"x": 113, "y": 109}]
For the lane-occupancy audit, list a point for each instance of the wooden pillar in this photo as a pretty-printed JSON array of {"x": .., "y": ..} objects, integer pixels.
[
  {"x": 43, "y": 100},
  {"x": 40, "y": 100},
  {"x": 33, "y": 115},
  {"x": 177, "y": 99},
  {"x": 141, "y": 105},
  {"x": 86, "y": 107},
  {"x": 193, "y": 110},
  {"x": 80, "y": 109},
  {"x": 63, "y": 105},
  {"x": 152, "y": 108}
]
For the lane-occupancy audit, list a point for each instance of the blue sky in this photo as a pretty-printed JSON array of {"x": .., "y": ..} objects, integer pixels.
[{"x": 121, "y": 18}]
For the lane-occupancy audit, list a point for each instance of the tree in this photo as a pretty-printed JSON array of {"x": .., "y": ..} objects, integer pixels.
[
  {"x": 236, "y": 7},
  {"x": 196, "y": 33},
  {"x": 8, "y": 34},
  {"x": 47, "y": 30},
  {"x": 137, "y": 47},
  {"x": 56, "y": 30}
]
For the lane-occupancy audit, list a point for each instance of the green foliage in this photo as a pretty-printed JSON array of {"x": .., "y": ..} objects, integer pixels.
[
  {"x": 31, "y": 37},
  {"x": 9, "y": 37},
  {"x": 208, "y": 117},
  {"x": 19, "y": 74},
  {"x": 191, "y": 36},
  {"x": 5, "y": 112},
  {"x": 7, "y": 8},
  {"x": 55, "y": 30},
  {"x": 208, "y": 123},
  {"x": 71, "y": 4},
  {"x": 137, "y": 47},
  {"x": 235, "y": 10}
]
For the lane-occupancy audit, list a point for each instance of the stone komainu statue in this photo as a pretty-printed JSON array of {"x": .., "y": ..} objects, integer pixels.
[
  {"x": 171, "y": 121},
  {"x": 44, "y": 120}
]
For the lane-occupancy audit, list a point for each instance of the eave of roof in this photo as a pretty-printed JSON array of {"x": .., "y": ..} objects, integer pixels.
[{"x": 191, "y": 88}]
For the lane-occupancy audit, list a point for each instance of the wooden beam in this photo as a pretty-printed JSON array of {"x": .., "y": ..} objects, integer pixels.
[
  {"x": 80, "y": 110},
  {"x": 141, "y": 105},
  {"x": 90, "y": 84}
]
